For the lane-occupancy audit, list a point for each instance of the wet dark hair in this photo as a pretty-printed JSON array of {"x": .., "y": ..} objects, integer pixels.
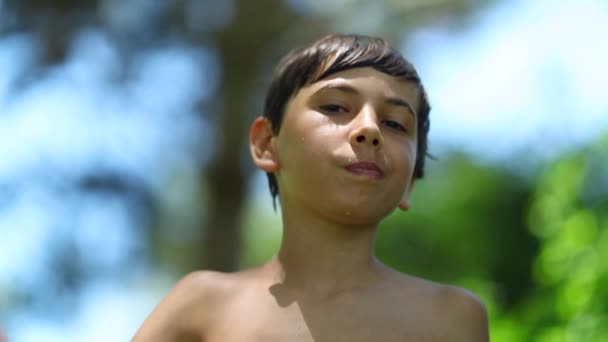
[{"x": 329, "y": 55}]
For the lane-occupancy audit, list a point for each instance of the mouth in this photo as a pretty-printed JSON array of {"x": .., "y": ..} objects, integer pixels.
[{"x": 368, "y": 169}]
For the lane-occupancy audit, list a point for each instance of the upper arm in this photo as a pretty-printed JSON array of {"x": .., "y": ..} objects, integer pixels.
[
  {"x": 175, "y": 316},
  {"x": 468, "y": 319}
]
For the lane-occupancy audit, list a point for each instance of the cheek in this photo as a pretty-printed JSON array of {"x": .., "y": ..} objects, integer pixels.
[
  {"x": 404, "y": 152},
  {"x": 412, "y": 152},
  {"x": 314, "y": 135},
  {"x": 403, "y": 162},
  {"x": 301, "y": 144}
]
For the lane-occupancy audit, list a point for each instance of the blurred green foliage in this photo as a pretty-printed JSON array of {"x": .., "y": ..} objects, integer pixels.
[{"x": 533, "y": 247}]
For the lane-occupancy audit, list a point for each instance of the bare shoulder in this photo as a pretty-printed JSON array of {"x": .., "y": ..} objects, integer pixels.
[
  {"x": 464, "y": 315},
  {"x": 187, "y": 308},
  {"x": 451, "y": 313},
  {"x": 457, "y": 314}
]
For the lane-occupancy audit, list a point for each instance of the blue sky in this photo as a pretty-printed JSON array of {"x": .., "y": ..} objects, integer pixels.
[
  {"x": 530, "y": 75},
  {"x": 526, "y": 75}
]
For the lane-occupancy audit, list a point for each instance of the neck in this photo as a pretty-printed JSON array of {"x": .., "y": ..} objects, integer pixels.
[{"x": 323, "y": 257}]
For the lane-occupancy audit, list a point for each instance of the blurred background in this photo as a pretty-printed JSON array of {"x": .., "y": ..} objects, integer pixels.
[{"x": 123, "y": 163}]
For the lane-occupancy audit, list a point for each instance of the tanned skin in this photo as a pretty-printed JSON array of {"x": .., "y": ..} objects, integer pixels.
[{"x": 325, "y": 284}]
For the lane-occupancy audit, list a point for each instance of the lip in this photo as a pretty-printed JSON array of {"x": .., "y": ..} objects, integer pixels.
[{"x": 368, "y": 169}]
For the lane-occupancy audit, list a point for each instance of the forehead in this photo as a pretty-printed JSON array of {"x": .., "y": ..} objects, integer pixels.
[{"x": 367, "y": 81}]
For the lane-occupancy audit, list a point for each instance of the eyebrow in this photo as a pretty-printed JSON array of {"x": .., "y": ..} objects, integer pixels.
[{"x": 395, "y": 101}]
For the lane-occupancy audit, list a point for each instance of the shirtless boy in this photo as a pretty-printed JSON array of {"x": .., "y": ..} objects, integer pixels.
[{"x": 342, "y": 139}]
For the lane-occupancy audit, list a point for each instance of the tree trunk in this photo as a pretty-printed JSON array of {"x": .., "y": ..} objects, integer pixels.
[{"x": 241, "y": 46}]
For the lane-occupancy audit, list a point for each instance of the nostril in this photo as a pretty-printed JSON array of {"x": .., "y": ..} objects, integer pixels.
[
  {"x": 360, "y": 138},
  {"x": 375, "y": 142}
]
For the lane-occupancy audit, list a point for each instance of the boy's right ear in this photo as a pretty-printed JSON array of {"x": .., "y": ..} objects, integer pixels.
[{"x": 261, "y": 145}]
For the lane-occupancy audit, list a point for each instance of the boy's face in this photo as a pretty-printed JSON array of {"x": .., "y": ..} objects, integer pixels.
[{"x": 347, "y": 146}]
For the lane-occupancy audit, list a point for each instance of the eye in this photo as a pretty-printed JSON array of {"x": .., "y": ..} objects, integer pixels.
[
  {"x": 394, "y": 125},
  {"x": 334, "y": 108}
]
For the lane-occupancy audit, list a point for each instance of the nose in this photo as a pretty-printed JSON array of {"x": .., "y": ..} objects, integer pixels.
[{"x": 365, "y": 130}]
